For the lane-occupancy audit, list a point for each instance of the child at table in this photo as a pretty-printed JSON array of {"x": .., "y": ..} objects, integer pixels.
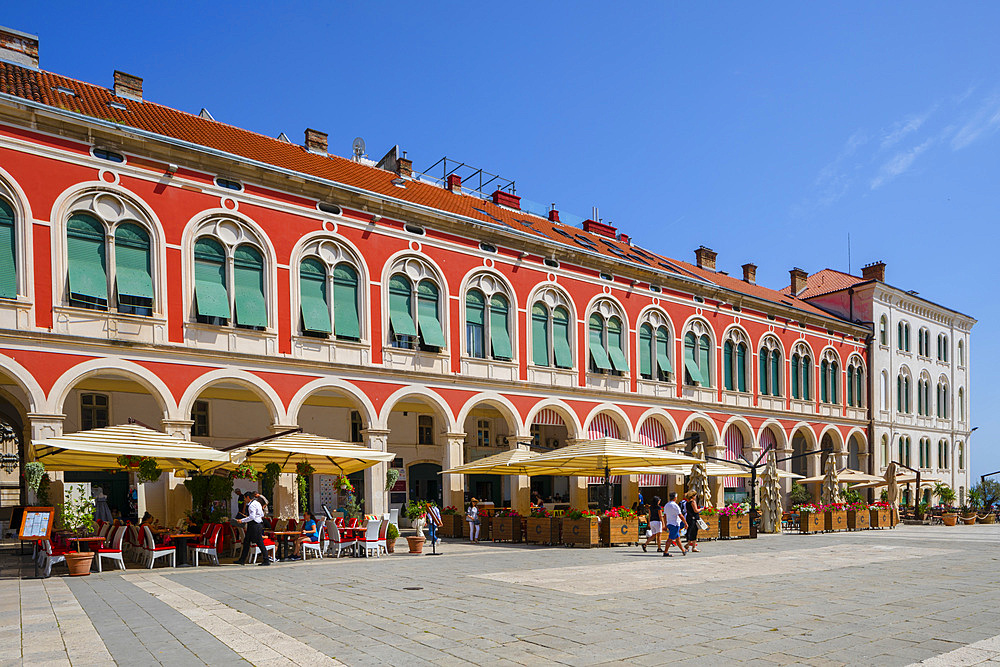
[{"x": 310, "y": 533}]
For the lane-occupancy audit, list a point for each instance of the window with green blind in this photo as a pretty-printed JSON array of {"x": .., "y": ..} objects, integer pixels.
[
  {"x": 8, "y": 252},
  {"x": 85, "y": 251},
  {"x": 313, "y": 297},
  {"x": 539, "y": 335},
  {"x": 741, "y": 367},
  {"x": 646, "y": 351},
  {"x": 824, "y": 381},
  {"x": 775, "y": 373},
  {"x": 795, "y": 376},
  {"x": 705, "y": 360},
  {"x": 401, "y": 306},
  {"x": 762, "y": 376},
  {"x": 834, "y": 381},
  {"x": 806, "y": 378},
  {"x": 248, "y": 287},
  {"x": 727, "y": 366},
  {"x": 616, "y": 350},
  {"x": 427, "y": 314},
  {"x": 692, "y": 374},
  {"x": 850, "y": 385},
  {"x": 133, "y": 276},
  {"x": 858, "y": 390},
  {"x": 598, "y": 354},
  {"x": 499, "y": 336},
  {"x": 560, "y": 338},
  {"x": 663, "y": 352},
  {"x": 475, "y": 324},
  {"x": 346, "y": 322},
  {"x": 211, "y": 296}
]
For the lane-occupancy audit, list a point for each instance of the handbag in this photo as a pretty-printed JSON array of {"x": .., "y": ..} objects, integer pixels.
[{"x": 701, "y": 524}]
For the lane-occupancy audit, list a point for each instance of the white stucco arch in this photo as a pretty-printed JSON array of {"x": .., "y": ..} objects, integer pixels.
[
  {"x": 26, "y": 382},
  {"x": 503, "y": 405},
  {"x": 424, "y": 395},
  {"x": 157, "y": 388},
  {"x": 617, "y": 414},
  {"x": 24, "y": 262},
  {"x": 712, "y": 433},
  {"x": 267, "y": 395},
  {"x": 780, "y": 435},
  {"x": 664, "y": 419},
  {"x": 342, "y": 387},
  {"x": 574, "y": 428}
]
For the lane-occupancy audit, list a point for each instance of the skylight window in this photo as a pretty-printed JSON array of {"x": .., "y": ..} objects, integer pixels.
[
  {"x": 486, "y": 247},
  {"x": 332, "y": 209},
  {"x": 110, "y": 156},
  {"x": 551, "y": 263},
  {"x": 607, "y": 276},
  {"x": 636, "y": 258},
  {"x": 117, "y": 105},
  {"x": 654, "y": 288},
  {"x": 64, "y": 90},
  {"x": 491, "y": 217},
  {"x": 584, "y": 241},
  {"x": 228, "y": 184}
]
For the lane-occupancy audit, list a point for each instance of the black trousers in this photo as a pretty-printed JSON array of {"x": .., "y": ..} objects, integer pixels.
[{"x": 254, "y": 535}]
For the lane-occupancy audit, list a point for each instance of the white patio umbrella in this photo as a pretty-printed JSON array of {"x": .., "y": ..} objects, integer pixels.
[{"x": 325, "y": 455}]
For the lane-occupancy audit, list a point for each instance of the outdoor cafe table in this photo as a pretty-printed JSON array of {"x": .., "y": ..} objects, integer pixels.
[
  {"x": 91, "y": 543},
  {"x": 282, "y": 538},
  {"x": 180, "y": 541}
]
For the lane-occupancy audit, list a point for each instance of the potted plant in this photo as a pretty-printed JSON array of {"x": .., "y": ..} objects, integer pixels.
[
  {"x": 619, "y": 525},
  {"x": 415, "y": 511},
  {"x": 810, "y": 518},
  {"x": 733, "y": 520},
  {"x": 581, "y": 527},
  {"x": 710, "y": 515},
  {"x": 835, "y": 515},
  {"x": 76, "y": 516},
  {"x": 244, "y": 471},
  {"x": 452, "y": 519},
  {"x": 506, "y": 525},
  {"x": 542, "y": 527},
  {"x": 880, "y": 514},
  {"x": 858, "y": 516},
  {"x": 391, "y": 534}
]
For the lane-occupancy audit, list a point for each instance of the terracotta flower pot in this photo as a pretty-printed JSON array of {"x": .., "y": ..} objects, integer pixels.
[
  {"x": 969, "y": 520},
  {"x": 79, "y": 563},
  {"x": 416, "y": 543},
  {"x": 949, "y": 519},
  {"x": 390, "y": 546}
]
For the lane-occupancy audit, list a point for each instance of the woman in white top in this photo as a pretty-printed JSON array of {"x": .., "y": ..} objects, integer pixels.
[{"x": 472, "y": 516}]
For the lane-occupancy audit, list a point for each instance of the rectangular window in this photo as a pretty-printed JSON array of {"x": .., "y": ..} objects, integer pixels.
[
  {"x": 93, "y": 411},
  {"x": 356, "y": 427},
  {"x": 199, "y": 415},
  {"x": 483, "y": 432},
  {"x": 425, "y": 430}
]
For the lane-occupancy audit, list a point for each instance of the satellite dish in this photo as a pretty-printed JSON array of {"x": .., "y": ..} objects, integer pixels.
[{"x": 358, "y": 146}]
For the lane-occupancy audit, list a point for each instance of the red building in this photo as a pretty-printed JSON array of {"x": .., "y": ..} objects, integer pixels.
[{"x": 166, "y": 267}]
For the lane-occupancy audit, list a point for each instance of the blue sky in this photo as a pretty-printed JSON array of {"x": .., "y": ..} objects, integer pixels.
[{"x": 767, "y": 132}]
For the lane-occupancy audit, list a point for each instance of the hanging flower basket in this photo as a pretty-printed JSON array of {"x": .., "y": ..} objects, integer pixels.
[
  {"x": 145, "y": 467},
  {"x": 304, "y": 469},
  {"x": 244, "y": 471}
]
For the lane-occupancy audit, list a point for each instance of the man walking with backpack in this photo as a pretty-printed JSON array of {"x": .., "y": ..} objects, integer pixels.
[{"x": 674, "y": 519}]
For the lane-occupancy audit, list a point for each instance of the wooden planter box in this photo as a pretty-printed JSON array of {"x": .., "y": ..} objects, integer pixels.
[
  {"x": 859, "y": 520},
  {"x": 584, "y": 532},
  {"x": 619, "y": 531},
  {"x": 712, "y": 532},
  {"x": 543, "y": 530},
  {"x": 452, "y": 525},
  {"x": 836, "y": 520},
  {"x": 484, "y": 527},
  {"x": 505, "y": 528},
  {"x": 880, "y": 518},
  {"x": 734, "y": 526},
  {"x": 811, "y": 522}
]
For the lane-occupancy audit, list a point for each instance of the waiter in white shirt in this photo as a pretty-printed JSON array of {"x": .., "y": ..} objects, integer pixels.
[{"x": 255, "y": 529}]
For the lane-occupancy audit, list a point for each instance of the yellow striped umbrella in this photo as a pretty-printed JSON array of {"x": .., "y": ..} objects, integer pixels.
[
  {"x": 325, "y": 455},
  {"x": 610, "y": 456},
  {"x": 510, "y": 462}
]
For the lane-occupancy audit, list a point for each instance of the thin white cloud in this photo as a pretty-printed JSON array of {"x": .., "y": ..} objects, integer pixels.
[
  {"x": 984, "y": 122},
  {"x": 903, "y": 128},
  {"x": 898, "y": 164}
]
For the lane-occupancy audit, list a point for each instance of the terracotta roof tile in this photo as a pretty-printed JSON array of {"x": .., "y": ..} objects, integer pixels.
[
  {"x": 91, "y": 100},
  {"x": 826, "y": 281}
]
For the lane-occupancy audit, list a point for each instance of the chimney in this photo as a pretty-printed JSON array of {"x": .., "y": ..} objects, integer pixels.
[
  {"x": 507, "y": 199},
  {"x": 19, "y": 47},
  {"x": 600, "y": 228},
  {"x": 800, "y": 280},
  {"x": 750, "y": 273},
  {"x": 705, "y": 258},
  {"x": 624, "y": 238},
  {"x": 455, "y": 183},
  {"x": 404, "y": 166},
  {"x": 553, "y": 214},
  {"x": 128, "y": 86},
  {"x": 874, "y": 271},
  {"x": 316, "y": 141}
]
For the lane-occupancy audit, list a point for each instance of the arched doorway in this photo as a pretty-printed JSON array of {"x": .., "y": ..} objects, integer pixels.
[
  {"x": 854, "y": 453},
  {"x": 800, "y": 445},
  {"x": 488, "y": 432},
  {"x": 735, "y": 487},
  {"x": 425, "y": 482},
  {"x": 549, "y": 432}
]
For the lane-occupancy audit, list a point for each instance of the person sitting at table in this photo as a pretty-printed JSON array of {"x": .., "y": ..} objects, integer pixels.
[
  {"x": 148, "y": 520},
  {"x": 310, "y": 533}
]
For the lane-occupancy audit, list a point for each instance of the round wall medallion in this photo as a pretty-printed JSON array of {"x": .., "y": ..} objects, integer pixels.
[
  {"x": 230, "y": 204},
  {"x": 607, "y": 289},
  {"x": 551, "y": 277},
  {"x": 415, "y": 246},
  {"x": 736, "y": 320},
  {"x": 330, "y": 226},
  {"x": 488, "y": 262},
  {"x": 108, "y": 176},
  {"x": 698, "y": 311},
  {"x": 656, "y": 302}
]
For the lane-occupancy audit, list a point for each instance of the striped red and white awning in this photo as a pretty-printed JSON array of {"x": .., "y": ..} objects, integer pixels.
[
  {"x": 767, "y": 439},
  {"x": 653, "y": 434},
  {"x": 603, "y": 426},
  {"x": 548, "y": 417},
  {"x": 734, "y": 447}
]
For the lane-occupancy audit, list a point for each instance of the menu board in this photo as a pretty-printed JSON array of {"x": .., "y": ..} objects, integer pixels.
[{"x": 36, "y": 523}]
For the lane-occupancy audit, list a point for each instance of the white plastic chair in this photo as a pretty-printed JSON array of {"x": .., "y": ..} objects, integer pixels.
[
  {"x": 269, "y": 545},
  {"x": 46, "y": 559},
  {"x": 370, "y": 541},
  {"x": 338, "y": 542},
  {"x": 153, "y": 552},
  {"x": 394, "y": 517},
  {"x": 211, "y": 547},
  {"x": 239, "y": 532},
  {"x": 114, "y": 552}
]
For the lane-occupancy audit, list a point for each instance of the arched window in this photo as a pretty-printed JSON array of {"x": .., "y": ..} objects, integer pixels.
[
  {"x": 943, "y": 454},
  {"x": 211, "y": 293},
  {"x": 961, "y": 353},
  {"x": 560, "y": 338},
  {"x": 855, "y": 383},
  {"x": 319, "y": 316},
  {"x": 550, "y": 329},
  {"x": 539, "y": 335},
  {"x": 885, "y": 390},
  {"x": 961, "y": 456},
  {"x": 500, "y": 344},
  {"x": 248, "y": 287},
  {"x": 229, "y": 276},
  {"x": 920, "y": 343},
  {"x": 487, "y": 319},
  {"x": 607, "y": 340},
  {"x": 108, "y": 255},
  {"x": 883, "y": 334},
  {"x": 413, "y": 314},
  {"x": 829, "y": 378},
  {"x": 428, "y": 315},
  {"x": 903, "y": 336},
  {"x": 8, "y": 252},
  {"x": 734, "y": 361},
  {"x": 885, "y": 450},
  {"x": 961, "y": 404},
  {"x": 769, "y": 372},
  {"x": 942, "y": 400},
  {"x": 943, "y": 356},
  {"x": 801, "y": 372},
  {"x": 654, "y": 352},
  {"x": 697, "y": 355}
]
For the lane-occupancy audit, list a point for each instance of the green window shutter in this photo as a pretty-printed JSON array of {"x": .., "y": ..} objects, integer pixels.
[
  {"x": 427, "y": 314},
  {"x": 401, "y": 306},
  {"x": 824, "y": 382},
  {"x": 690, "y": 359},
  {"x": 645, "y": 351},
  {"x": 741, "y": 367},
  {"x": 560, "y": 338},
  {"x": 795, "y": 376},
  {"x": 775, "y": 373},
  {"x": 132, "y": 265},
  {"x": 248, "y": 287},
  {"x": 312, "y": 295},
  {"x": 663, "y": 351},
  {"x": 615, "y": 347},
  {"x": 345, "y": 302},
  {"x": 858, "y": 393},
  {"x": 210, "y": 279},
  {"x": 499, "y": 336},
  {"x": 834, "y": 381},
  {"x": 850, "y": 385},
  {"x": 86, "y": 255},
  {"x": 704, "y": 360},
  {"x": 539, "y": 335},
  {"x": 899, "y": 393},
  {"x": 596, "y": 343},
  {"x": 762, "y": 370},
  {"x": 806, "y": 378},
  {"x": 8, "y": 253},
  {"x": 727, "y": 366}
]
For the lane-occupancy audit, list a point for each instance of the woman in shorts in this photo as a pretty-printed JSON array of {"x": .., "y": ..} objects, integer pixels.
[{"x": 655, "y": 524}]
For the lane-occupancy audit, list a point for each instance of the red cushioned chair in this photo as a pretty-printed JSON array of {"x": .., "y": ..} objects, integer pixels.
[{"x": 114, "y": 552}]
